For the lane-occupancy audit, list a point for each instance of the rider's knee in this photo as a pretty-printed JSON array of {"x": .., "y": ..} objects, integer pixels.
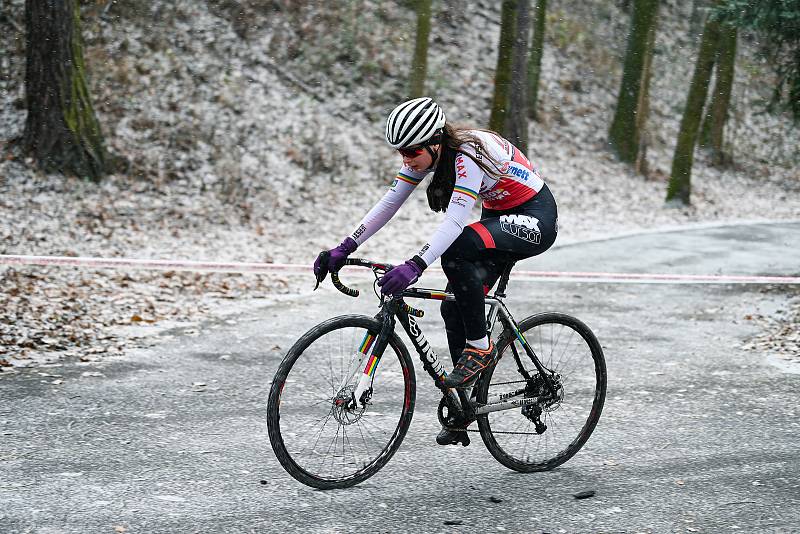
[{"x": 451, "y": 315}]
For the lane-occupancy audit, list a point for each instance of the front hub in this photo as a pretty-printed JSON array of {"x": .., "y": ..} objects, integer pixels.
[{"x": 345, "y": 409}]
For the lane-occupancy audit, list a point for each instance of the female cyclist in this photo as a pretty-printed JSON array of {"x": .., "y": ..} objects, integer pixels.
[{"x": 518, "y": 220}]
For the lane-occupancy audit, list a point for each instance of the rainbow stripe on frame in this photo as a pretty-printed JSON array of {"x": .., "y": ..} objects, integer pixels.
[
  {"x": 372, "y": 364},
  {"x": 366, "y": 343},
  {"x": 438, "y": 295}
]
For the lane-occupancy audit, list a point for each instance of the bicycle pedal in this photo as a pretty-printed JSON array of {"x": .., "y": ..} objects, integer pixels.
[{"x": 453, "y": 437}]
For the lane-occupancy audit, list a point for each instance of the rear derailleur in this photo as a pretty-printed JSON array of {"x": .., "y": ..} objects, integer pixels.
[{"x": 547, "y": 392}]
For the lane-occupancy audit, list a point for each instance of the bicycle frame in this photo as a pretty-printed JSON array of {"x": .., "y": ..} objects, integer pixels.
[{"x": 395, "y": 310}]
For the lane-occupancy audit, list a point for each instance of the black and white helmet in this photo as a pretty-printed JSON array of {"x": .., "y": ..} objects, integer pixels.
[{"x": 413, "y": 122}]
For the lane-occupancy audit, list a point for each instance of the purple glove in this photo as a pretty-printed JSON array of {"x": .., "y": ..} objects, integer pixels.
[
  {"x": 332, "y": 260},
  {"x": 399, "y": 278}
]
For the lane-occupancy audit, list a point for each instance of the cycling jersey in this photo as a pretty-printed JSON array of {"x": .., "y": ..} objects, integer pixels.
[{"x": 515, "y": 182}]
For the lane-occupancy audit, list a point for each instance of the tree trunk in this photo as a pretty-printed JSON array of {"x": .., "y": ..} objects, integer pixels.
[
  {"x": 502, "y": 76},
  {"x": 680, "y": 180},
  {"x": 624, "y": 134},
  {"x": 643, "y": 106},
  {"x": 535, "y": 60},
  {"x": 419, "y": 68},
  {"x": 517, "y": 120},
  {"x": 712, "y": 131},
  {"x": 696, "y": 18},
  {"x": 61, "y": 130}
]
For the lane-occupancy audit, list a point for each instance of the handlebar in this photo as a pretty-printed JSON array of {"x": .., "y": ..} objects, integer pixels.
[{"x": 378, "y": 269}]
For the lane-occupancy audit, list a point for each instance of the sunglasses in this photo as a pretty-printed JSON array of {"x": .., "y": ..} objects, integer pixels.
[
  {"x": 412, "y": 151},
  {"x": 416, "y": 150}
]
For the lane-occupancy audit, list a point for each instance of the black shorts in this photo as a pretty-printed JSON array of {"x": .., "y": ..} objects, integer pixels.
[{"x": 509, "y": 235}]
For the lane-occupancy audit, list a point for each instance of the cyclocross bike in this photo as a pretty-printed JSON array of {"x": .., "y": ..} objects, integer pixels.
[{"x": 343, "y": 397}]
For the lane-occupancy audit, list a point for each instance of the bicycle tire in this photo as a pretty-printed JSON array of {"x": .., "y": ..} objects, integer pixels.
[
  {"x": 506, "y": 426},
  {"x": 291, "y": 401}
]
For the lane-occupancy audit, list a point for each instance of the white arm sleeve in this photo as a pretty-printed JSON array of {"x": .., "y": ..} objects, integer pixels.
[
  {"x": 405, "y": 182},
  {"x": 468, "y": 182}
]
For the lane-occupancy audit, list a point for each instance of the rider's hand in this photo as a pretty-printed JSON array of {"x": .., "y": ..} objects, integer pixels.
[
  {"x": 399, "y": 278},
  {"x": 332, "y": 260}
]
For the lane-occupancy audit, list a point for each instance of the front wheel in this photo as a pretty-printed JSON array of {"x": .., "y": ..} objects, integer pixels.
[
  {"x": 319, "y": 436},
  {"x": 548, "y": 424}
]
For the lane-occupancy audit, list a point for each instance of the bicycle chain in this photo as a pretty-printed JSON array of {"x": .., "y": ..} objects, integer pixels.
[
  {"x": 505, "y": 383},
  {"x": 493, "y": 431}
]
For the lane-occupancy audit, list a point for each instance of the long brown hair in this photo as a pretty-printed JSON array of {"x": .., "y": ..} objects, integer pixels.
[{"x": 444, "y": 177}]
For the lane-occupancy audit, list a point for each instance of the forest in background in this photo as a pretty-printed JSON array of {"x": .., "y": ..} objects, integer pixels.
[
  {"x": 62, "y": 132},
  {"x": 234, "y": 127}
]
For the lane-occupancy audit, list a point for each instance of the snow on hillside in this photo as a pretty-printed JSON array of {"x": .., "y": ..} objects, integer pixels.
[{"x": 260, "y": 138}]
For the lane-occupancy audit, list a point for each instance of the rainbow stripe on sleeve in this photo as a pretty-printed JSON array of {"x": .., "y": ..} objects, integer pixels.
[
  {"x": 408, "y": 179},
  {"x": 465, "y": 191}
]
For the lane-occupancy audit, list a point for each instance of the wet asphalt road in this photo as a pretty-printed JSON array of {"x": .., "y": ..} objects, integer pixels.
[{"x": 697, "y": 434}]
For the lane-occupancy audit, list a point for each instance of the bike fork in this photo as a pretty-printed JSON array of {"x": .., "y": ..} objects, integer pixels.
[{"x": 363, "y": 391}]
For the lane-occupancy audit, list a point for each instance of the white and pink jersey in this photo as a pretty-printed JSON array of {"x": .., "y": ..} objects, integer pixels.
[{"x": 514, "y": 182}]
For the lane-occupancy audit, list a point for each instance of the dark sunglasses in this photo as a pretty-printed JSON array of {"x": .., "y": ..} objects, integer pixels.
[
  {"x": 412, "y": 151},
  {"x": 416, "y": 150}
]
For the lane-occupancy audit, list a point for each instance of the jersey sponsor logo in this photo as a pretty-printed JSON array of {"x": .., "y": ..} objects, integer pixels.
[
  {"x": 459, "y": 201},
  {"x": 424, "y": 249},
  {"x": 360, "y": 230},
  {"x": 523, "y": 227},
  {"x": 461, "y": 170},
  {"x": 519, "y": 173},
  {"x": 494, "y": 195}
]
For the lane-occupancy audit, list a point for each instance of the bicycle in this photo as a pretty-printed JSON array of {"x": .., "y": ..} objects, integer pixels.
[{"x": 341, "y": 403}]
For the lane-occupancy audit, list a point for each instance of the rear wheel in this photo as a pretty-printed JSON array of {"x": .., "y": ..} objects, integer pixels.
[
  {"x": 318, "y": 436},
  {"x": 550, "y": 430}
]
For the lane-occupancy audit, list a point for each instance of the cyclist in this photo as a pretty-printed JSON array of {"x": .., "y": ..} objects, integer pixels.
[{"x": 518, "y": 220}]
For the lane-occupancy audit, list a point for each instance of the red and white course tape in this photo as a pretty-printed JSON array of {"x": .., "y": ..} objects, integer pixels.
[{"x": 271, "y": 268}]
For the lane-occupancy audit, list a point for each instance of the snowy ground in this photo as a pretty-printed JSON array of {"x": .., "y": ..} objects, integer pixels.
[{"x": 259, "y": 138}]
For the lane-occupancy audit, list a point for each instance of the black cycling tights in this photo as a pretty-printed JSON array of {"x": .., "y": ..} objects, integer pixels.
[{"x": 476, "y": 259}]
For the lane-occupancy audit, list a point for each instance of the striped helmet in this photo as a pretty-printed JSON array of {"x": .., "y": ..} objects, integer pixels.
[{"x": 414, "y": 122}]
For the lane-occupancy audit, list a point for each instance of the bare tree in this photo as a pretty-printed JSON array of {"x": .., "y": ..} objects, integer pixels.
[
  {"x": 712, "y": 131},
  {"x": 419, "y": 67},
  {"x": 61, "y": 130},
  {"x": 643, "y": 106},
  {"x": 502, "y": 76},
  {"x": 535, "y": 60},
  {"x": 624, "y": 134},
  {"x": 680, "y": 181},
  {"x": 517, "y": 120}
]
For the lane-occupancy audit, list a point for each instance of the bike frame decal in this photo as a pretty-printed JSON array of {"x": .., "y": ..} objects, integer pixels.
[
  {"x": 366, "y": 344},
  {"x": 426, "y": 352},
  {"x": 372, "y": 364},
  {"x": 519, "y": 336}
]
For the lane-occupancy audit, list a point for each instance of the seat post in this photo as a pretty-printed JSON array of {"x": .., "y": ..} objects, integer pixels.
[{"x": 501, "y": 285}]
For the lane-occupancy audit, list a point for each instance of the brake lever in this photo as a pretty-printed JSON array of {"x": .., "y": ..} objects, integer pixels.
[{"x": 325, "y": 257}]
